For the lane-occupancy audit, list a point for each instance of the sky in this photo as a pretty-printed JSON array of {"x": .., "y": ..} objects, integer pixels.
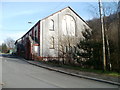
[{"x": 15, "y": 16}]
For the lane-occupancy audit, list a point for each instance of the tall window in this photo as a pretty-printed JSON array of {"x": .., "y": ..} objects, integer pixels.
[
  {"x": 68, "y": 25},
  {"x": 35, "y": 37},
  {"x": 35, "y": 33},
  {"x": 52, "y": 42},
  {"x": 51, "y": 25}
]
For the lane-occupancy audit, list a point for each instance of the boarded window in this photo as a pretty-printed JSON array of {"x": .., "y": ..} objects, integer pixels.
[
  {"x": 68, "y": 25},
  {"x": 35, "y": 37},
  {"x": 35, "y": 33}
]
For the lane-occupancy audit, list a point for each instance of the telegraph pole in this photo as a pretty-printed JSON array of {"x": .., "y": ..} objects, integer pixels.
[
  {"x": 118, "y": 17},
  {"x": 103, "y": 34}
]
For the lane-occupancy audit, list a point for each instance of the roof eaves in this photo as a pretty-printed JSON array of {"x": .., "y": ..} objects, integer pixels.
[{"x": 30, "y": 29}]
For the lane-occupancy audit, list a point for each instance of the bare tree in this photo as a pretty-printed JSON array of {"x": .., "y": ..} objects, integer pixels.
[
  {"x": 66, "y": 45},
  {"x": 109, "y": 12},
  {"x": 108, "y": 8},
  {"x": 10, "y": 43}
]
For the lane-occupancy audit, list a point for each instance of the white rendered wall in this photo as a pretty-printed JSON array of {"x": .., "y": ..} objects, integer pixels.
[{"x": 59, "y": 33}]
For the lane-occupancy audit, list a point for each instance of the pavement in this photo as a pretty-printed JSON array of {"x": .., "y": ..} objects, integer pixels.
[{"x": 77, "y": 73}]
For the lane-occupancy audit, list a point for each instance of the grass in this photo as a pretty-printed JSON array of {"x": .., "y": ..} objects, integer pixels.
[
  {"x": 108, "y": 73},
  {"x": 113, "y": 74}
]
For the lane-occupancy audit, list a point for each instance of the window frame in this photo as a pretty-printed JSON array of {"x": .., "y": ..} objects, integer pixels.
[
  {"x": 67, "y": 30},
  {"x": 51, "y": 21},
  {"x": 52, "y": 43}
]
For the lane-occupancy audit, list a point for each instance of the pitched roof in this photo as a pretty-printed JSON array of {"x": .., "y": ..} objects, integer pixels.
[
  {"x": 54, "y": 14},
  {"x": 64, "y": 9}
]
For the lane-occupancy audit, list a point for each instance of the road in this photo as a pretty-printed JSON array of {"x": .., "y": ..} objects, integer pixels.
[{"x": 20, "y": 74}]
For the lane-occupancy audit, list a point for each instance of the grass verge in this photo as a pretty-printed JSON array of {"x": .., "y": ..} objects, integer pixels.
[{"x": 108, "y": 73}]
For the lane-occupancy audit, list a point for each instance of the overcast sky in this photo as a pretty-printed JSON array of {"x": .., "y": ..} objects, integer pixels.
[{"x": 16, "y": 15}]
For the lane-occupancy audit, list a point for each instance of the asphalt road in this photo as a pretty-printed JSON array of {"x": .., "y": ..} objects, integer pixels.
[{"x": 19, "y": 74}]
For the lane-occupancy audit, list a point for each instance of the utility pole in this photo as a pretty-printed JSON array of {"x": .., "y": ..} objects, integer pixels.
[
  {"x": 107, "y": 41},
  {"x": 118, "y": 18},
  {"x": 103, "y": 34}
]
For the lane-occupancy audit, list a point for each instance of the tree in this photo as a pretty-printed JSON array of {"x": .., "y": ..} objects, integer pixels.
[
  {"x": 88, "y": 52},
  {"x": 111, "y": 30},
  {"x": 0, "y": 48},
  {"x": 4, "y": 48},
  {"x": 65, "y": 48},
  {"x": 10, "y": 43}
]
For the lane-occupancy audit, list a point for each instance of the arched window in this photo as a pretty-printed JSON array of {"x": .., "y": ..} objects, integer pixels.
[
  {"x": 51, "y": 25},
  {"x": 68, "y": 25},
  {"x": 52, "y": 42}
]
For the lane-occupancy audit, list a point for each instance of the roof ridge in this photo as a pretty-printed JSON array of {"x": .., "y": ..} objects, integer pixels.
[
  {"x": 55, "y": 13},
  {"x": 63, "y": 9}
]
